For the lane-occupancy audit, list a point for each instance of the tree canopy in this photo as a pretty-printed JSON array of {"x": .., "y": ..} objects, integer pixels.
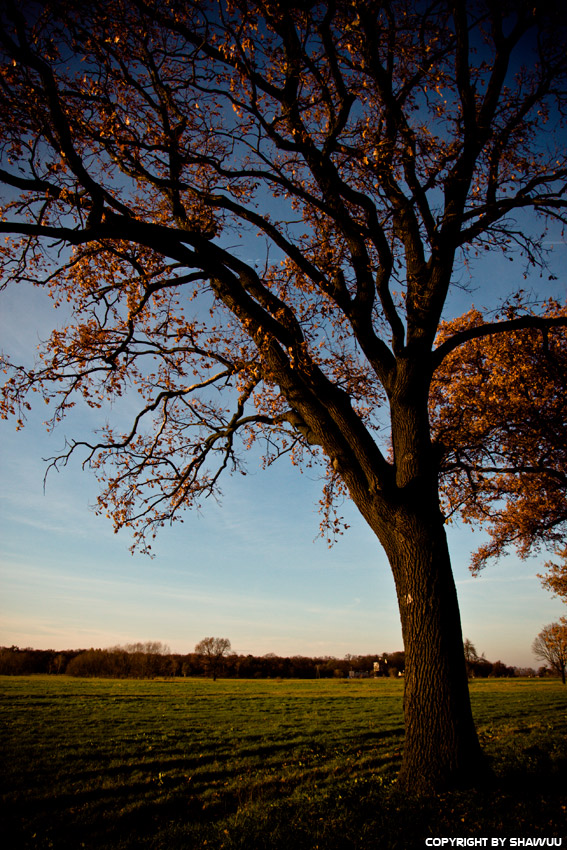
[
  {"x": 551, "y": 646},
  {"x": 499, "y": 413},
  {"x": 149, "y": 139},
  {"x": 252, "y": 210},
  {"x": 213, "y": 650},
  {"x": 555, "y": 579}
]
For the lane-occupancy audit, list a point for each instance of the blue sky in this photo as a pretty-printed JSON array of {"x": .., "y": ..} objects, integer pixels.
[{"x": 251, "y": 569}]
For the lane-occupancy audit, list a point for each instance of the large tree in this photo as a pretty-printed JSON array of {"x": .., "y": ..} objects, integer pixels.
[{"x": 253, "y": 211}]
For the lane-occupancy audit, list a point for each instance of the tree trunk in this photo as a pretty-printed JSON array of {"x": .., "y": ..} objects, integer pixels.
[
  {"x": 441, "y": 745},
  {"x": 441, "y": 748},
  {"x": 401, "y": 505}
]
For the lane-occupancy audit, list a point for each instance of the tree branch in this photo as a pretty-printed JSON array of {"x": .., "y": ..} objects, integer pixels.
[{"x": 492, "y": 328}]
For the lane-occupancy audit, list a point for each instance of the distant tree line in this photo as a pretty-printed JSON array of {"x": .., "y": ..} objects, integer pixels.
[
  {"x": 146, "y": 661},
  {"x": 154, "y": 660},
  {"x": 478, "y": 666}
]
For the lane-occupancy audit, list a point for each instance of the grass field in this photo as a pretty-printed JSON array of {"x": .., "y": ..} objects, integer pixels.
[{"x": 262, "y": 764}]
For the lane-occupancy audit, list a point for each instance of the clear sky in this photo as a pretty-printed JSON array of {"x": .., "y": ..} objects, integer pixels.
[{"x": 251, "y": 569}]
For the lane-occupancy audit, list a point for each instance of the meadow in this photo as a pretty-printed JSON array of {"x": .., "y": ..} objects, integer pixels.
[{"x": 191, "y": 763}]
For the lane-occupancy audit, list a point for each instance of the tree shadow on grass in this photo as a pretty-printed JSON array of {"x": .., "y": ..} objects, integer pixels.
[{"x": 526, "y": 797}]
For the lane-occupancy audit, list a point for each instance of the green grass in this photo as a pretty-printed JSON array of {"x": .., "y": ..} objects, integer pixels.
[{"x": 262, "y": 764}]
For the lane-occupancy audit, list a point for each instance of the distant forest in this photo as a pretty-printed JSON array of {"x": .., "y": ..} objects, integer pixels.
[{"x": 154, "y": 660}]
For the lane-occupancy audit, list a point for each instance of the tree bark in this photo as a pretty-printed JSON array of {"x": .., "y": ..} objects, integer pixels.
[{"x": 441, "y": 745}]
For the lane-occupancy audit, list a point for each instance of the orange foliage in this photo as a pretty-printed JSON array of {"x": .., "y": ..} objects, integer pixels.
[
  {"x": 499, "y": 411},
  {"x": 555, "y": 579}
]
